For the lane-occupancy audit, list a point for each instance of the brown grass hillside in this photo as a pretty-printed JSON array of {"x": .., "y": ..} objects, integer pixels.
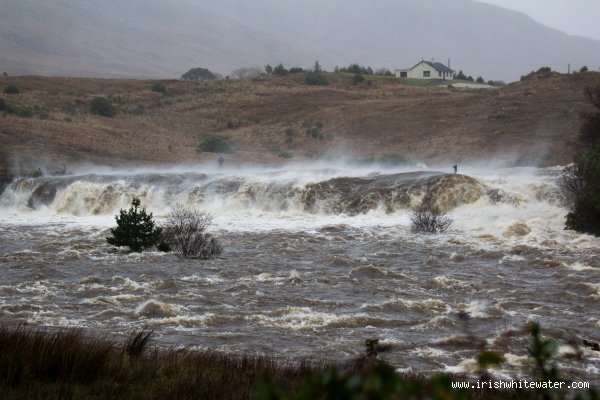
[{"x": 535, "y": 121}]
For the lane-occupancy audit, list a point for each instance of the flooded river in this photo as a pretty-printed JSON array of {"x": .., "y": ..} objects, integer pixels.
[{"x": 317, "y": 259}]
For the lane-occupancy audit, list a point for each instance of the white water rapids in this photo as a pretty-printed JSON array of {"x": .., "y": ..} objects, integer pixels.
[{"x": 317, "y": 259}]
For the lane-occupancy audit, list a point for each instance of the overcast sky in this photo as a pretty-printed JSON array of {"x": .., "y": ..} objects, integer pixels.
[{"x": 576, "y": 17}]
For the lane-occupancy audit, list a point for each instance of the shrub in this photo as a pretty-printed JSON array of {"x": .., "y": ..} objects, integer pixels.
[
  {"x": 384, "y": 72},
  {"x": 357, "y": 69},
  {"x": 314, "y": 132},
  {"x": 215, "y": 144},
  {"x": 280, "y": 70},
  {"x": 286, "y": 154},
  {"x": 295, "y": 70},
  {"x": 185, "y": 233},
  {"x": 590, "y": 128},
  {"x": 20, "y": 111},
  {"x": 429, "y": 220},
  {"x": 198, "y": 74},
  {"x": 251, "y": 72},
  {"x": 102, "y": 106},
  {"x": 135, "y": 229},
  {"x": 585, "y": 214},
  {"x": 480, "y": 80},
  {"x": 159, "y": 87},
  {"x": 358, "y": 78},
  {"x": 583, "y": 69},
  {"x": 290, "y": 132},
  {"x": 316, "y": 78},
  {"x": 2, "y": 104},
  {"x": 11, "y": 89},
  {"x": 544, "y": 70}
]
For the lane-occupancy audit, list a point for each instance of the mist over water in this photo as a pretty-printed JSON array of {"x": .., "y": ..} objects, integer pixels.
[{"x": 317, "y": 259}]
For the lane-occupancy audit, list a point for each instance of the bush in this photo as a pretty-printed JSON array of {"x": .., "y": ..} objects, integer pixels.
[
  {"x": 590, "y": 128},
  {"x": 2, "y": 104},
  {"x": 199, "y": 74},
  {"x": 585, "y": 214},
  {"x": 286, "y": 154},
  {"x": 314, "y": 132},
  {"x": 358, "y": 78},
  {"x": 280, "y": 70},
  {"x": 429, "y": 220},
  {"x": 316, "y": 78},
  {"x": 215, "y": 144},
  {"x": 20, "y": 111},
  {"x": 135, "y": 229},
  {"x": 102, "y": 106},
  {"x": 159, "y": 87},
  {"x": 185, "y": 233},
  {"x": 290, "y": 132},
  {"x": 295, "y": 70},
  {"x": 11, "y": 89}
]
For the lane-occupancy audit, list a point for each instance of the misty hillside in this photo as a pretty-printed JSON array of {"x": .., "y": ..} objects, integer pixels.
[{"x": 153, "y": 38}]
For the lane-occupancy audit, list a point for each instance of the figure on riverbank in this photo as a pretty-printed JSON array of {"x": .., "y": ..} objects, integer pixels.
[
  {"x": 455, "y": 168},
  {"x": 221, "y": 161}
]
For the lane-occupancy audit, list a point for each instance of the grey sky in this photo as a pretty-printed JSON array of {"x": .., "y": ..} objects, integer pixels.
[{"x": 575, "y": 17}]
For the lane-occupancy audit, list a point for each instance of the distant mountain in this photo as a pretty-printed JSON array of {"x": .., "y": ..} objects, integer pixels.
[{"x": 156, "y": 38}]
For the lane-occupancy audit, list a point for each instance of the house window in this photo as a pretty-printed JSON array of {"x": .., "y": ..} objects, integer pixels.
[
  {"x": 439, "y": 74},
  {"x": 426, "y": 74},
  {"x": 403, "y": 74}
]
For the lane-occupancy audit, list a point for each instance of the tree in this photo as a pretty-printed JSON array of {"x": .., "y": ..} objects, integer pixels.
[
  {"x": 199, "y": 74},
  {"x": 582, "y": 178},
  {"x": 480, "y": 80},
  {"x": 590, "y": 128},
  {"x": 102, "y": 106},
  {"x": 185, "y": 233},
  {"x": 429, "y": 220},
  {"x": 280, "y": 70},
  {"x": 250, "y": 72},
  {"x": 135, "y": 229},
  {"x": 268, "y": 69},
  {"x": 317, "y": 66},
  {"x": 585, "y": 214}
]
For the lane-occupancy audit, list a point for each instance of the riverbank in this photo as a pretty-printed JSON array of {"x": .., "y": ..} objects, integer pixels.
[{"x": 68, "y": 364}]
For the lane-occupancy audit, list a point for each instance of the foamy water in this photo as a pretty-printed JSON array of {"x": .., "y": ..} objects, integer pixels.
[{"x": 317, "y": 259}]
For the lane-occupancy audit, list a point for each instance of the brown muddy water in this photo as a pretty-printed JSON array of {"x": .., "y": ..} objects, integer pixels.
[{"x": 317, "y": 259}]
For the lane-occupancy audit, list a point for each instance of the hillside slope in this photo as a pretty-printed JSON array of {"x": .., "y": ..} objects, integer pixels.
[
  {"x": 152, "y": 38},
  {"x": 531, "y": 122}
]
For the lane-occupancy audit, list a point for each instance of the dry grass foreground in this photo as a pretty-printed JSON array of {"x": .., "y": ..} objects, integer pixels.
[
  {"x": 66, "y": 364},
  {"x": 269, "y": 119}
]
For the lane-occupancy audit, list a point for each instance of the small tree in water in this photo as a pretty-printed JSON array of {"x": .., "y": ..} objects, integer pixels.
[
  {"x": 429, "y": 220},
  {"x": 135, "y": 229},
  {"x": 185, "y": 233}
]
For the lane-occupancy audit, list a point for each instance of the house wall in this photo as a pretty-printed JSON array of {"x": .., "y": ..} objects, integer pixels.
[{"x": 417, "y": 72}]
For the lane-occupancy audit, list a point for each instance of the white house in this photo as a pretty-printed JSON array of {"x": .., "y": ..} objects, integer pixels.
[{"x": 426, "y": 70}]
